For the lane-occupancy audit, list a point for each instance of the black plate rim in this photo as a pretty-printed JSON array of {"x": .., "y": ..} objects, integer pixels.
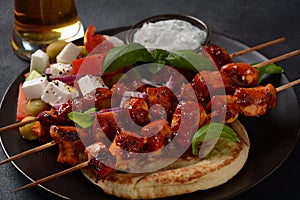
[{"x": 125, "y": 28}]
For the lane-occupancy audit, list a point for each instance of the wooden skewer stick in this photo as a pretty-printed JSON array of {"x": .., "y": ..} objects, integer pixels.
[
  {"x": 85, "y": 164},
  {"x": 30, "y": 151},
  {"x": 74, "y": 168},
  {"x": 257, "y": 47},
  {"x": 16, "y": 125},
  {"x": 276, "y": 59},
  {"x": 288, "y": 85}
]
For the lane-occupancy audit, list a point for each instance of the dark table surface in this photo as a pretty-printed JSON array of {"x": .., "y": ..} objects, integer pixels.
[{"x": 252, "y": 22}]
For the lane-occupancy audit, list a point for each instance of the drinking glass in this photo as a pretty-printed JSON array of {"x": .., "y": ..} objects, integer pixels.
[{"x": 37, "y": 23}]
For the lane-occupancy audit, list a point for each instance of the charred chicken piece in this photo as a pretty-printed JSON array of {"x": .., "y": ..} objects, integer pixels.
[
  {"x": 157, "y": 134},
  {"x": 100, "y": 99},
  {"x": 223, "y": 109},
  {"x": 70, "y": 145},
  {"x": 98, "y": 154},
  {"x": 58, "y": 115},
  {"x": 255, "y": 101},
  {"x": 164, "y": 97},
  {"x": 129, "y": 141},
  {"x": 119, "y": 88},
  {"x": 105, "y": 122},
  {"x": 216, "y": 54},
  {"x": 138, "y": 110},
  {"x": 187, "y": 118},
  {"x": 53, "y": 117},
  {"x": 125, "y": 147},
  {"x": 210, "y": 83},
  {"x": 206, "y": 84},
  {"x": 240, "y": 74},
  {"x": 48, "y": 118},
  {"x": 42, "y": 131}
]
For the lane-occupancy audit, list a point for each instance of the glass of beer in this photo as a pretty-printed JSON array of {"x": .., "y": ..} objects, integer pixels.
[{"x": 39, "y": 22}]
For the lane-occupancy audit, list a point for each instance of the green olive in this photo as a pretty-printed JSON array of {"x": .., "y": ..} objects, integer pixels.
[
  {"x": 35, "y": 106},
  {"x": 26, "y": 130},
  {"x": 54, "y": 48},
  {"x": 83, "y": 50}
]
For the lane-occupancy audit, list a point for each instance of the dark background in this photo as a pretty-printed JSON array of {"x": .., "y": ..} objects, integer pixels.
[{"x": 252, "y": 22}]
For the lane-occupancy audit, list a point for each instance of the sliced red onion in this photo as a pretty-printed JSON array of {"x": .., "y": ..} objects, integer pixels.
[
  {"x": 151, "y": 83},
  {"x": 48, "y": 70},
  {"x": 65, "y": 79},
  {"x": 123, "y": 100},
  {"x": 57, "y": 106},
  {"x": 128, "y": 94},
  {"x": 171, "y": 84},
  {"x": 134, "y": 94},
  {"x": 115, "y": 109}
]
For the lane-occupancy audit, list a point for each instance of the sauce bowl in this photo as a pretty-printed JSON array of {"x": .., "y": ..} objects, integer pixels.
[{"x": 195, "y": 22}]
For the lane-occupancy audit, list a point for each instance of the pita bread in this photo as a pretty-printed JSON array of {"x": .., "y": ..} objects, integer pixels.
[{"x": 186, "y": 175}]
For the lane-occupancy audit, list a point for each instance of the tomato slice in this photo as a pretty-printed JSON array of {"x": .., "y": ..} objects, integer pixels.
[
  {"x": 22, "y": 104},
  {"x": 91, "y": 40},
  {"x": 91, "y": 65}
]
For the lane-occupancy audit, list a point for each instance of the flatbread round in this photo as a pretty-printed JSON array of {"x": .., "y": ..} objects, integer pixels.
[{"x": 186, "y": 175}]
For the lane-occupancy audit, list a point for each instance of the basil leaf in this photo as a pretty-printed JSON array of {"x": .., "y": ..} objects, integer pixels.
[
  {"x": 189, "y": 60},
  {"x": 268, "y": 69},
  {"x": 214, "y": 128},
  {"x": 84, "y": 119},
  {"x": 159, "y": 55},
  {"x": 124, "y": 56}
]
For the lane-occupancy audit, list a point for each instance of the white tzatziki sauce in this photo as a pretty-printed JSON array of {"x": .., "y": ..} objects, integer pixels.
[{"x": 170, "y": 35}]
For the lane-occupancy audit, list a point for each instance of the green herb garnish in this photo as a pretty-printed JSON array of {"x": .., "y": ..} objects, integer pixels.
[
  {"x": 124, "y": 56},
  {"x": 84, "y": 119},
  {"x": 268, "y": 69},
  {"x": 129, "y": 54},
  {"x": 159, "y": 60},
  {"x": 212, "y": 131},
  {"x": 159, "y": 55},
  {"x": 187, "y": 59}
]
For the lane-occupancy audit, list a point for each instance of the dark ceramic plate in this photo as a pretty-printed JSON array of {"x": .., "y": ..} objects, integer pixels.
[{"x": 269, "y": 148}]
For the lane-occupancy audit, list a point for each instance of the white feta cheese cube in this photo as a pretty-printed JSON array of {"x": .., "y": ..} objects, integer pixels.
[
  {"x": 39, "y": 61},
  {"x": 61, "y": 69},
  {"x": 34, "y": 88},
  {"x": 68, "y": 53},
  {"x": 89, "y": 83},
  {"x": 58, "y": 92}
]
